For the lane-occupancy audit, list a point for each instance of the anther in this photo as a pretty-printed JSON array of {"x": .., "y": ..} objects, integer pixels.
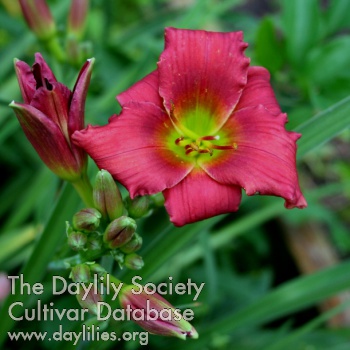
[
  {"x": 206, "y": 150},
  {"x": 222, "y": 148},
  {"x": 189, "y": 150},
  {"x": 178, "y": 140},
  {"x": 208, "y": 138}
]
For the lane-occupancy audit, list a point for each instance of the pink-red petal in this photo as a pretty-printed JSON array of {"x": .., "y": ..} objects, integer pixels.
[
  {"x": 54, "y": 103},
  {"x": 264, "y": 161},
  {"x": 48, "y": 141},
  {"x": 42, "y": 72},
  {"x": 26, "y": 80},
  {"x": 198, "y": 197},
  {"x": 258, "y": 91},
  {"x": 145, "y": 90},
  {"x": 76, "y": 114},
  {"x": 77, "y": 102},
  {"x": 132, "y": 147},
  {"x": 202, "y": 70}
]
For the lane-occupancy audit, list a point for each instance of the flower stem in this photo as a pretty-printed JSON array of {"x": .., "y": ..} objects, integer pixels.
[
  {"x": 111, "y": 279},
  {"x": 84, "y": 189},
  {"x": 65, "y": 263},
  {"x": 55, "y": 48}
]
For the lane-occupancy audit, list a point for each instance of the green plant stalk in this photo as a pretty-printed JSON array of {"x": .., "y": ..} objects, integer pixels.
[
  {"x": 84, "y": 189},
  {"x": 55, "y": 48}
]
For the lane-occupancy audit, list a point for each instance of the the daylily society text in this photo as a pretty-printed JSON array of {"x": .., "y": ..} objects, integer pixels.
[{"x": 104, "y": 286}]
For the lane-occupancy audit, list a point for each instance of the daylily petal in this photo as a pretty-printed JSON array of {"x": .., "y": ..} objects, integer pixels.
[
  {"x": 198, "y": 197},
  {"x": 77, "y": 106},
  {"x": 145, "y": 90},
  {"x": 48, "y": 140},
  {"x": 77, "y": 103},
  {"x": 54, "y": 103},
  {"x": 26, "y": 80},
  {"x": 133, "y": 149},
  {"x": 258, "y": 91},
  {"x": 264, "y": 162},
  {"x": 42, "y": 72},
  {"x": 200, "y": 73}
]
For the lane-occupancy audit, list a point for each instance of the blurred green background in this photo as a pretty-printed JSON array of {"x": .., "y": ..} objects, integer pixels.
[{"x": 275, "y": 278}]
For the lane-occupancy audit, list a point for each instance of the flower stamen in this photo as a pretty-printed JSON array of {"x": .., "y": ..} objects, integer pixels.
[{"x": 202, "y": 145}]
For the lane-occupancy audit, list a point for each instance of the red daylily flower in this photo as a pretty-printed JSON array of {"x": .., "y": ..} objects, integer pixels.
[
  {"x": 199, "y": 128},
  {"x": 51, "y": 113}
]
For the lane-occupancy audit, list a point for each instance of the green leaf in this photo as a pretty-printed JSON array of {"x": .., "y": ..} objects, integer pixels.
[
  {"x": 323, "y": 126},
  {"x": 329, "y": 62},
  {"x": 34, "y": 270},
  {"x": 300, "y": 21},
  {"x": 337, "y": 16},
  {"x": 267, "y": 47},
  {"x": 297, "y": 334},
  {"x": 291, "y": 296}
]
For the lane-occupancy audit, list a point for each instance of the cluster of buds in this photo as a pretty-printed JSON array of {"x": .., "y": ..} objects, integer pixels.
[
  {"x": 83, "y": 236},
  {"x": 105, "y": 228}
]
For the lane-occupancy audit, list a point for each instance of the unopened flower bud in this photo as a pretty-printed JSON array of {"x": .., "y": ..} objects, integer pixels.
[
  {"x": 158, "y": 199},
  {"x": 77, "y": 18},
  {"x": 5, "y": 286},
  {"x": 50, "y": 114},
  {"x": 87, "y": 220},
  {"x": 80, "y": 273},
  {"x": 38, "y": 17},
  {"x": 89, "y": 301},
  {"x": 94, "y": 242},
  {"x": 160, "y": 317},
  {"x": 138, "y": 207},
  {"x": 133, "y": 245},
  {"x": 119, "y": 232},
  {"x": 107, "y": 197},
  {"x": 77, "y": 240},
  {"x": 133, "y": 262}
]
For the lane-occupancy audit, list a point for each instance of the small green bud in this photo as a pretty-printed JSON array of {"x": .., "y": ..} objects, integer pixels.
[
  {"x": 158, "y": 199},
  {"x": 94, "y": 242},
  {"x": 80, "y": 273},
  {"x": 133, "y": 245},
  {"x": 118, "y": 256},
  {"x": 77, "y": 240},
  {"x": 107, "y": 197},
  {"x": 119, "y": 232},
  {"x": 133, "y": 262},
  {"x": 89, "y": 301},
  {"x": 87, "y": 220},
  {"x": 138, "y": 207}
]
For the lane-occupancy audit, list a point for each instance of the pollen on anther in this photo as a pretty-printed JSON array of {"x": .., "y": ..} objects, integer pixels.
[{"x": 178, "y": 140}]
